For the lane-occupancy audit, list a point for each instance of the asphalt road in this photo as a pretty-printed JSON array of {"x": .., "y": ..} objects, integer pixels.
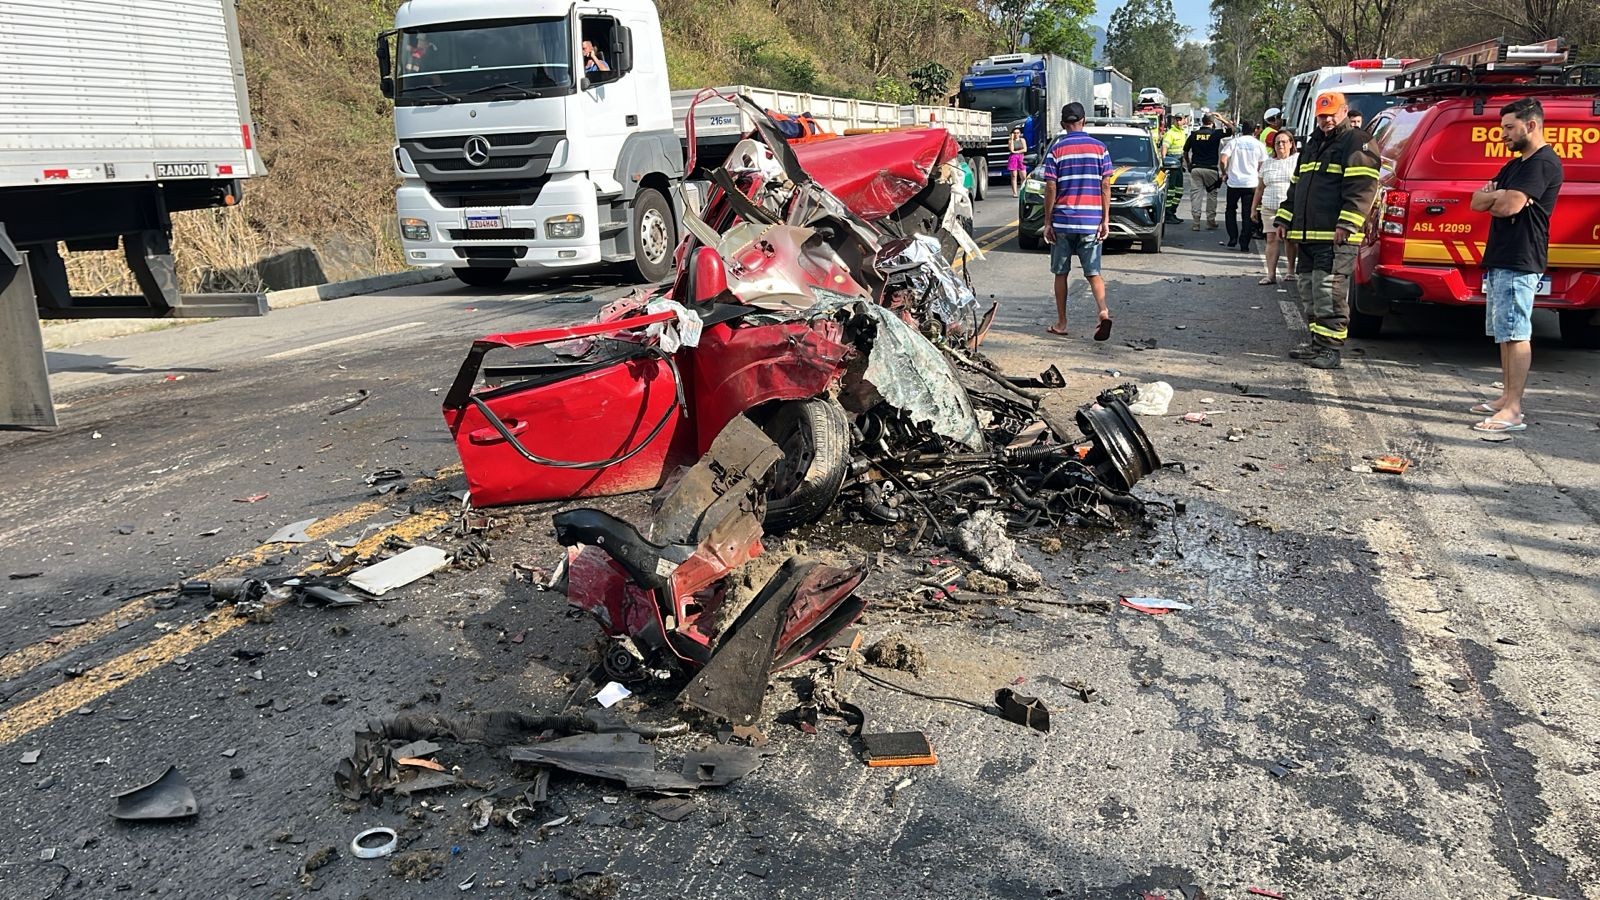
[{"x": 1415, "y": 653}]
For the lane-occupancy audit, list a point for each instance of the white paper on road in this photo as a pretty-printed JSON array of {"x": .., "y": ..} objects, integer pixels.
[
  {"x": 293, "y": 534},
  {"x": 398, "y": 571}
]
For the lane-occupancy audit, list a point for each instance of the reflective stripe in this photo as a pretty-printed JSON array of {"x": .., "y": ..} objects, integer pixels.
[
  {"x": 1330, "y": 168},
  {"x": 1284, "y": 215},
  {"x": 1339, "y": 335},
  {"x": 1328, "y": 236},
  {"x": 1353, "y": 218},
  {"x": 1361, "y": 172}
]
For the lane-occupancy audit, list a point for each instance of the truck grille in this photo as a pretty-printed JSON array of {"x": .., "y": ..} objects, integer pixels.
[
  {"x": 521, "y": 156},
  {"x": 491, "y": 252}
]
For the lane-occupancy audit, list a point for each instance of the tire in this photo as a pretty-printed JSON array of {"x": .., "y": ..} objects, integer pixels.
[
  {"x": 814, "y": 436},
  {"x": 1362, "y": 325},
  {"x": 1029, "y": 241},
  {"x": 481, "y": 277},
  {"x": 654, "y": 235},
  {"x": 980, "y": 179},
  {"x": 1579, "y": 329},
  {"x": 1152, "y": 244}
]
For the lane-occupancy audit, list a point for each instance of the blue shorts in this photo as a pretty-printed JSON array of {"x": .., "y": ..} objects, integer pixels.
[
  {"x": 1508, "y": 306},
  {"x": 1086, "y": 247}
]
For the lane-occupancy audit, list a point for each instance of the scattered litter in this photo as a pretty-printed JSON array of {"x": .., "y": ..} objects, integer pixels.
[
  {"x": 1283, "y": 767},
  {"x": 318, "y": 858},
  {"x": 467, "y": 885},
  {"x": 1050, "y": 545},
  {"x": 253, "y": 498},
  {"x": 989, "y": 584},
  {"x": 624, "y": 757},
  {"x": 574, "y": 298},
  {"x": 983, "y": 537},
  {"x": 1142, "y": 344},
  {"x": 398, "y": 571},
  {"x": 168, "y": 797},
  {"x": 672, "y": 809},
  {"x": 1155, "y": 606},
  {"x": 1393, "y": 465},
  {"x": 417, "y": 865},
  {"x": 1361, "y": 469},
  {"x": 66, "y": 623},
  {"x": 1154, "y": 399},
  {"x": 612, "y": 694},
  {"x": 1023, "y": 710},
  {"x": 294, "y": 533},
  {"x": 898, "y": 748},
  {"x": 19, "y": 576},
  {"x": 361, "y": 396},
  {"x": 1196, "y": 418},
  {"x": 1263, "y": 892},
  {"x": 898, "y": 652},
  {"x": 29, "y": 758}
]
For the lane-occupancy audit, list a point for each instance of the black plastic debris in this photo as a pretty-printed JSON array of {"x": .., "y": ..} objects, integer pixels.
[
  {"x": 1023, "y": 710},
  {"x": 168, "y": 797}
]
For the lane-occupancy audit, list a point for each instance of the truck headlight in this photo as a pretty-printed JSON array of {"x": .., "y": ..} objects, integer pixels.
[
  {"x": 564, "y": 227},
  {"x": 415, "y": 230}
]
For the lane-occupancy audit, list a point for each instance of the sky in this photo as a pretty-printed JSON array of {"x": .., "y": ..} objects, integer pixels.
[{"x": 1194, "y": 13}]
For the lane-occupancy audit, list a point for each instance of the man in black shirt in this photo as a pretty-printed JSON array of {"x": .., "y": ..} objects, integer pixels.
[
  {"x": 1521, "y": 200},
  {"x": 1202, "y": 154}
]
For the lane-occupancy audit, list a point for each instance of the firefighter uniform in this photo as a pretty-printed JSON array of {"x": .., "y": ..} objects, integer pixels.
[{"x": 1333, "y": 186}]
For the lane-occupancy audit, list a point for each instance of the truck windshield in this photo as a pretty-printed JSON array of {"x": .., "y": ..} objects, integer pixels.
[
  {"x": 1005, "y": 104},
  {"x": 497, "y": 60}
]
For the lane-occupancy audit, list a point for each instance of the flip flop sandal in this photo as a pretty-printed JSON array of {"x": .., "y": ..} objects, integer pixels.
[
  {"x": 1059, "y": 332},
  {"x": 1275, "y": 281},
  {"x": 1495, "y": 426},
  {"x": 1484, "y": 408},
  {"x": 1103, "y": 333}
]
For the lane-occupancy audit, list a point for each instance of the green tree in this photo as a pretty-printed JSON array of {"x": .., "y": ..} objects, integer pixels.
[
  {"x": 1142, "y": 41},
  {"x": 930, "y": 81},
  {"x": 1062, "y": 27}
]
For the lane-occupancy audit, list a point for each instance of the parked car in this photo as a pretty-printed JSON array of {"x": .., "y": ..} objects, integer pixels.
[
  {"x": 1423, "y": 243},
  {"x": 1138, "y": 188}
]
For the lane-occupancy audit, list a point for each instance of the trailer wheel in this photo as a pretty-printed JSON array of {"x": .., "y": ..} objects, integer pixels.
[
  {"x": 815, "y": 439},
  {"x": 481, "y": 277},
  {"x": 654, "y": 236},
  {"x": 1579, "y": 328},
  {"x": 980, "y": 178}
]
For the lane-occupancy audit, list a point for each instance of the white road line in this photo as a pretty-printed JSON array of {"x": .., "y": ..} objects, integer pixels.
[{"x": 351, "y": 339}]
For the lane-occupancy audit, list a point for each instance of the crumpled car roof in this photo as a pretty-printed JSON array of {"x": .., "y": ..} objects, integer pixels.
[{"x": 875, "y": 174}]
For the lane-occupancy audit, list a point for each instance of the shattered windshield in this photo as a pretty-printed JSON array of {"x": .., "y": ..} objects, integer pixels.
[
  {"x": 1004, "y": 104},
  {"x": 500, "y": 60}
]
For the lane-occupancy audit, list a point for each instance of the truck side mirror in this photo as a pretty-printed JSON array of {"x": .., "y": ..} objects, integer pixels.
[
  {"x": 621, "y": 51},
  {"x": 385, "y": 64}
]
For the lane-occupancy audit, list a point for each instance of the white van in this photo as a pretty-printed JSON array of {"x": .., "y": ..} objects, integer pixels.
[{"x": 1362, "y": 82}]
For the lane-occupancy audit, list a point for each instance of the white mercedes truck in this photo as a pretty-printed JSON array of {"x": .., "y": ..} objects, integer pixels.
[{"x": 532, "y": 134}]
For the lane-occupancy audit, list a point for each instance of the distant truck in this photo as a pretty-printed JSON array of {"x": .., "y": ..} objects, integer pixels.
[
  {"x": 1025, "y": 90},
  {"x": 111, "y": 119},
  {"x": 542, "y": 134},
  {"x": 1113, "y": 93}
]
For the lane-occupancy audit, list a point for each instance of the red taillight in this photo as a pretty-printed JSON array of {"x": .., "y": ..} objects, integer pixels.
[
  {"x": 244, "y": 129},
  {"x": 1395, "y": 207}
]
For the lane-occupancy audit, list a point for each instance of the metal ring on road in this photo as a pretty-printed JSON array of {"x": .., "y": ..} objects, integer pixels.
[{"x": 358, "y": 850}]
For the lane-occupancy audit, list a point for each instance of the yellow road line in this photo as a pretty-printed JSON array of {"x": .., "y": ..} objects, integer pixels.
[
  {"x": 37, "y": 654},
  {"x": 992, "y": 240},
  {"x": 68, "y": 696}
]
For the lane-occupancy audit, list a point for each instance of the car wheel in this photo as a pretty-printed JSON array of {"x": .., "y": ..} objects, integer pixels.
[
  {"x": 1579, "y": 328},
  {"x": 980, "y": 179},
  {"x": 814, "y": 436},
  {"x": 655, "y": 235},
  {"x": 1152, "y": 244},
  {"x": 481, "y": 277},
  {"x": 1362, "y": 325}
]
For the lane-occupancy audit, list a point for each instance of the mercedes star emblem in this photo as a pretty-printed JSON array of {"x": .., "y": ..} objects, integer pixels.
[{"x": 476, "y": 151}]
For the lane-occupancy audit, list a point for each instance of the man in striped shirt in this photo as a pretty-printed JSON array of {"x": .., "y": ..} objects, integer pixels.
[{"x": 1077, "y": 192}]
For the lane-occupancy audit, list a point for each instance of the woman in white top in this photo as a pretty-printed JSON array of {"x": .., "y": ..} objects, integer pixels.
[{"x": 1271, "y": 189}]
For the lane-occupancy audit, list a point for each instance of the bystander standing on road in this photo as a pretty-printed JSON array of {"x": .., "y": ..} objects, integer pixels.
[
  {"x": 1519, "y": 201},
  {"x": 1357, "y": 121},
  {"x": 1202, "y": 156},
  {"x": 1017, "y": 147},
  {"x": 1276, "y": 173},
  {"x": 1241, "y": 167},
  {"x": 1077, "y": 192},
  {"x": 1330, "y": 194},
  {"x": 1271, "y": 124}
]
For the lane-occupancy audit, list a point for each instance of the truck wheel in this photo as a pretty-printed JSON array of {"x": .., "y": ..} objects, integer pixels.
[
  {"x": 481, "y": 277},
  {"x": 654, "y": 236},
  {"x": 1579, "y": 328},
  {"x": 980, "y": 179},
  {"x": 815, "y": 439},
  {"x": 1362, "y": 325}
]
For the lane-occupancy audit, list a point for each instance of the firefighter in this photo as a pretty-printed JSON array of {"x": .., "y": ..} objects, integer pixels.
[
  {"x": 1330, "y": 193},
  {"x": 1172, "y": 160}
]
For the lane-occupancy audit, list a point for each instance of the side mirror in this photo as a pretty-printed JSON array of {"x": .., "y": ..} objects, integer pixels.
[
  {"x": 385, "y": 64},
  {"x": 621, "y": 51}
]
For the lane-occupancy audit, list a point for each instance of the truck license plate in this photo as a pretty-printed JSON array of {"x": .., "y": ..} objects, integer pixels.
[
  {"x": 475, "y": 222},
  {"x": 1543, "y": 290}
]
